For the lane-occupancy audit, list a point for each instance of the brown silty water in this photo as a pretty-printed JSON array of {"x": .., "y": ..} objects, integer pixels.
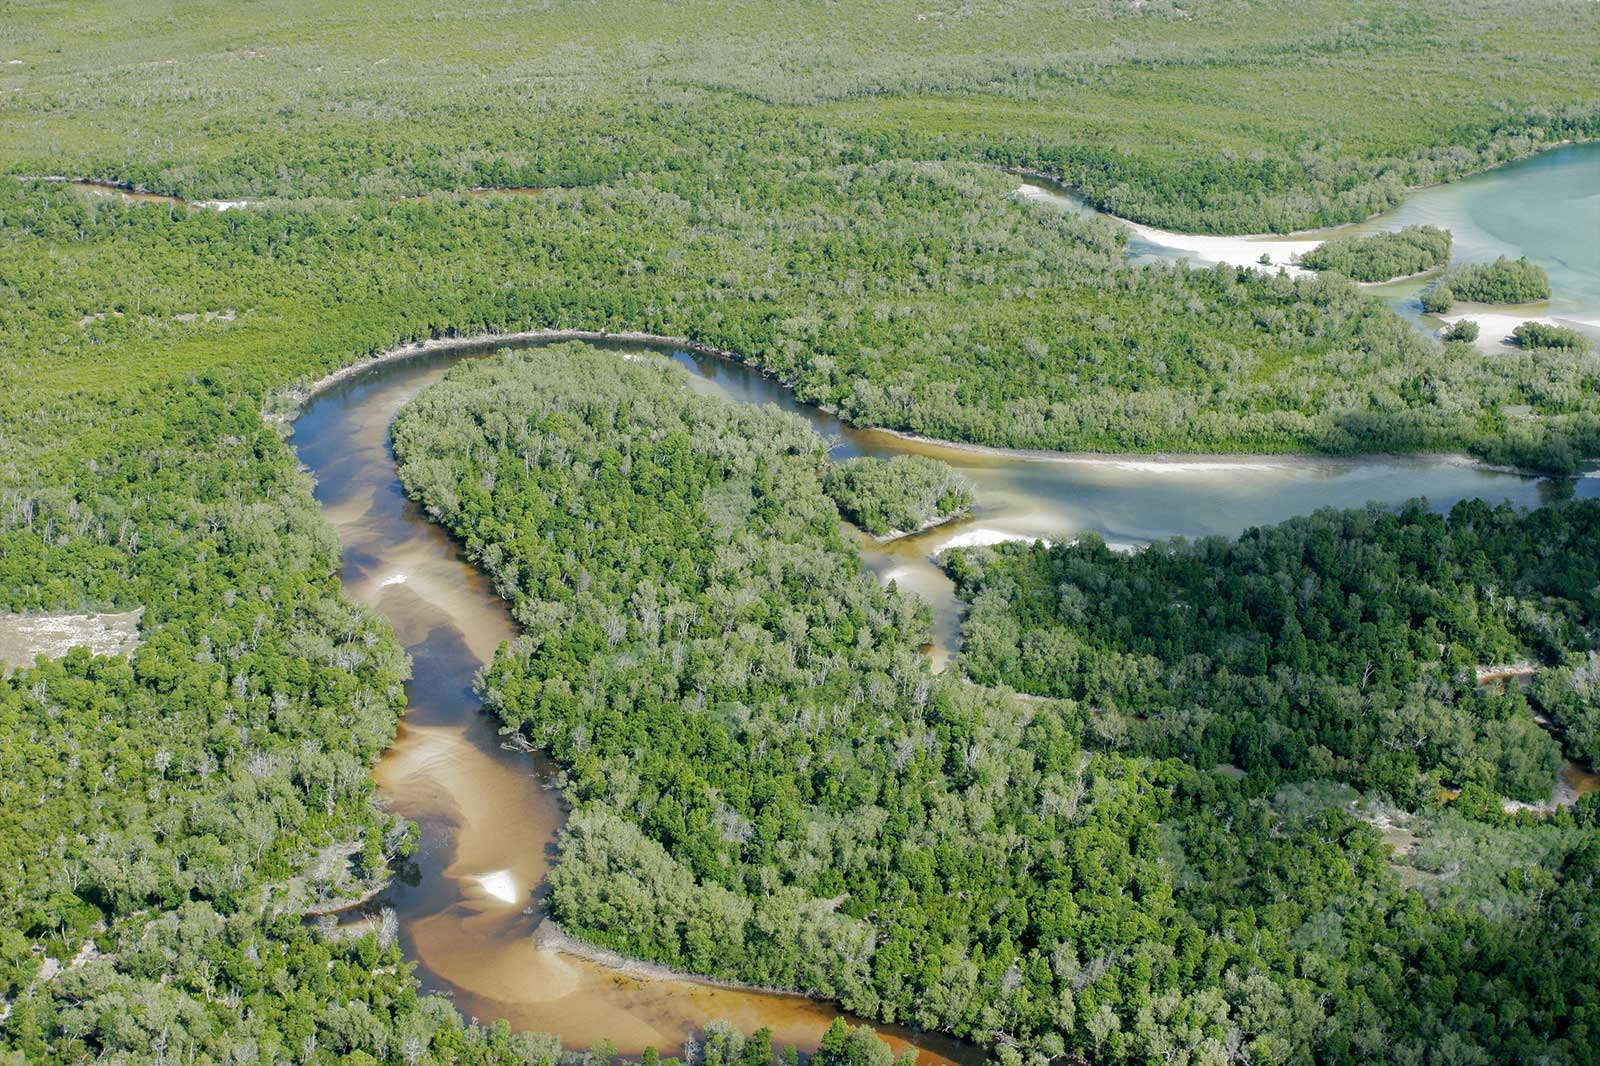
[{"x": 472, "y": 904}]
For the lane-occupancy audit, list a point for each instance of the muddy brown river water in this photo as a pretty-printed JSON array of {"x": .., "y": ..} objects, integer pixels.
[
  {"x": 488, "y": 812},
  {"x": 471, "y": 906}
]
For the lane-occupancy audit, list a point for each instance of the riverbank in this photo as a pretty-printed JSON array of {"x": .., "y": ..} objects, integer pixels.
[
  {"x": 136, "y": 192},
  {"x": 549, "y": 936},
  {"x": 1495, "y": 327},
  {"x": 1403, "y": 277},
  {"x": 886, "y": 539},
  {"x": 282, "y": 407},
  {"x": 1203, "y": 462}
]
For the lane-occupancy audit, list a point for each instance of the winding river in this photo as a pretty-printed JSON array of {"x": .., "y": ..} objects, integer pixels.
[{"x": 471, "y": 905}]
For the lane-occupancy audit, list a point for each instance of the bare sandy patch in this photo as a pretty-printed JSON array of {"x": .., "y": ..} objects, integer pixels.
[
  {"x": 1243, "y": 250},
  {"x": 1494, "y": 327},
  {"x": 24, "y": 637}
]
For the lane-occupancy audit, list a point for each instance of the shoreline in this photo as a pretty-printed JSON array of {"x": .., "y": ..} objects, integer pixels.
[
  {"x": 341, "y": 906},
  {"x": 1203, "y": 462},
  {"x": 549, "y": 936},
  {"x": 129, "y": 189},
  {"x": 885, "y": 539},
  {"x": 1403, "y": 277},
  {"x": 1067, "y": 187},
  {"x": 1495, "y": 326},
  {"x": 297, "y": 396},
  {"x": 281, "y": 407}
]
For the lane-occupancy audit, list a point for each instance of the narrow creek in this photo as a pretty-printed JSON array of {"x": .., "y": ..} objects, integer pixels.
[{"x": 470, "y": 905}]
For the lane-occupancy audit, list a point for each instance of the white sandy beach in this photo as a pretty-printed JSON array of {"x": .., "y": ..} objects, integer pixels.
[
  {"x": 1240, "y": 251},
  {"x": 1494, "y": 327}
]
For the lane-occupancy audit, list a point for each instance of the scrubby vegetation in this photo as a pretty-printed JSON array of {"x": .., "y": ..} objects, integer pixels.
[
  {"x": 815, "y": 188},
  {"x": 1465, "y": 330},
  {"x": 983, "y": 319},
  {"x": 771, "y": 785},
  {"x": 901, "y": 494},
  {"x": 1137, "y": 104},
  {"x": 1541, "y": 336},
  {"x": 1382, "y": 256},
  {"x": 1504, "y": 281}
]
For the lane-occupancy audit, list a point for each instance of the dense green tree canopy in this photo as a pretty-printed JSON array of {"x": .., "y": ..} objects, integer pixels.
[
  {"x": 1504, "y": 281},
  {"x": 769, "y": 782},
  {"x": 1382, "y": 256},
  {"x": 1342, "y": 644},
  {"x": 902, "y": 494},
  {"x": 771, "y": 786}
]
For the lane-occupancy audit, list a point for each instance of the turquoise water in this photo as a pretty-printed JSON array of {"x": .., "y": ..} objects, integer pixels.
[{"x": 1546, "y": 207}]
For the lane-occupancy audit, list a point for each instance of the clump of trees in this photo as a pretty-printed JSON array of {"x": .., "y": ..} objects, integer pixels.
[
  {"x": 1327, "y": 646},
  {"x": 1504, "y": 281},
  {"x": 1465, "y": 330},
  {"x": 1545, "y": 337},
  {"x": 901, "y": 494},
  {"x": 1569, "y": 695},
  {"x": 1382, "y": 256}
]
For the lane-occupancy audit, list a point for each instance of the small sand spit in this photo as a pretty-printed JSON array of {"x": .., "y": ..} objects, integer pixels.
[{"x": 1495, "y": 327}]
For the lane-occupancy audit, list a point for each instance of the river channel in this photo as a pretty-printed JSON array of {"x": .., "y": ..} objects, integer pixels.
[{"x": 471, "y": 907}]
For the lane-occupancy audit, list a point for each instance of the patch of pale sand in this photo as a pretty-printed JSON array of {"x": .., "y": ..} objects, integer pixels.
[
  {"x": 1244, "y": 250},
  {"x": 501, "y": 885},
  {"x": 1169, "y": 466},
  {"x": 1240, "y": 251},
  {"x": 24, "y": 637},
  {"x": 984, "y": 537},
  {"x": 392, "y": 579},
  {"x": 1495, "y": 327}
]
